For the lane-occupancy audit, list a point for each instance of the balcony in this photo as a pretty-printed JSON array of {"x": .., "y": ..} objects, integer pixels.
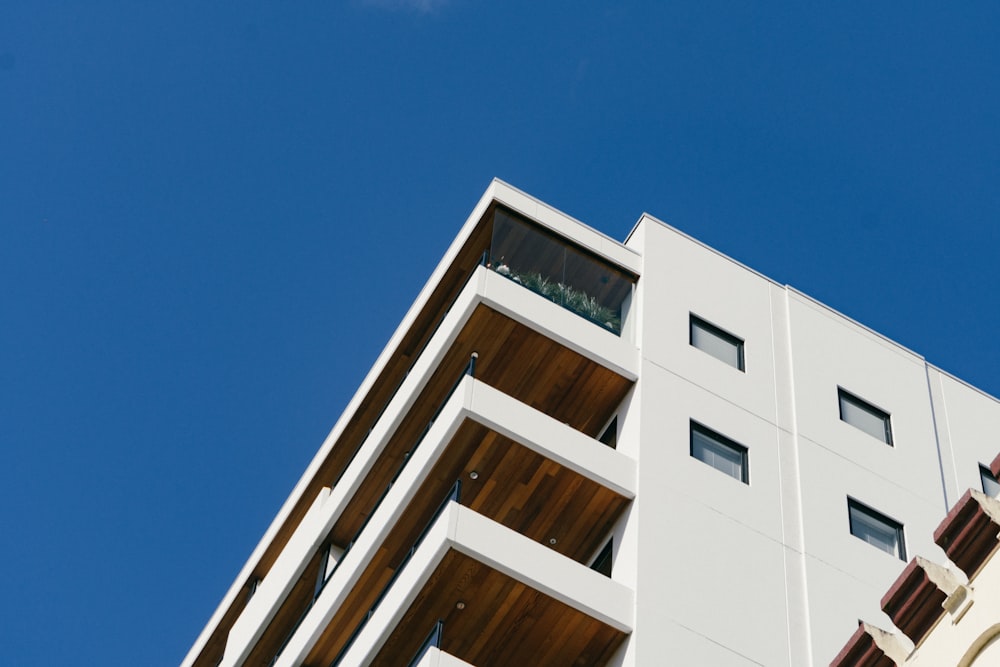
[
  {"x": 502, "y": 599},
  {"x": 550, "y": 484},
  {"x": 539, "y": 369},
  {"x": 572, "y": 373},
  {"x": 542, "y": 355},
  {"x": 549, "y": 265},
  {"x": 525, "y": 370}
]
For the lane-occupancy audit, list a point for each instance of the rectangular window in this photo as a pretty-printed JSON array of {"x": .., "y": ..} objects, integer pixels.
[
  {"x": 602, "y": 564},
  {"x": 719, "y": 452},
  {"x": 865, "y": 416},
  {"x": 328, "y": 563},
  {"x": 252, "y": 587},
  {"x": 722, "y": 345},
  {"x": 991, "y": 486},
  {"x": 610, "y": 435},
  {"x": 876, "y": 529}
]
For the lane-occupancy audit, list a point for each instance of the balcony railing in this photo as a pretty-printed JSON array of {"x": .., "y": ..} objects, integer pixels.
[
  {"x": 454, "y": 494},
  {"x": 561, "y": 272},
  {"x": 547, "y": 265},
  {"x": 550, "y": 266},
  {"x": 326, "y": 575},
  {"x": 433, "y": 641}
]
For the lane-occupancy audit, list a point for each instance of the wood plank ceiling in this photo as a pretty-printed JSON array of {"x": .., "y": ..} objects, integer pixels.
[
  {"x": 493, "y": 620},
  {"x": 512, "y": 358},
  {"x": 366, "y": 414},
  {"x": 514, "y": 486}
]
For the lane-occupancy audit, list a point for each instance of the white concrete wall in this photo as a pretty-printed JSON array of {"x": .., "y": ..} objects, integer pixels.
[
  {"x": 768, "y": 573},
  {"x": 968, "y": 421},
  {"x": 845, "y": 576},
  {"x": 705, "y": 543}
]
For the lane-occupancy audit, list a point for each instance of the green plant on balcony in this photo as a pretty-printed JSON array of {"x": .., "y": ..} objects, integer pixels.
[{"x": 570, "y": 298}]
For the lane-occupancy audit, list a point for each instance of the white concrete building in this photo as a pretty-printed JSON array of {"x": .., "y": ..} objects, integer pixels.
[
  {"x": 945, "y": 614},
  {"x": 577, "y": 451}
]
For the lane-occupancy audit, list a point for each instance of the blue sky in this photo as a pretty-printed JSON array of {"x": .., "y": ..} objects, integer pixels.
[{"x": 212, "y": 216}]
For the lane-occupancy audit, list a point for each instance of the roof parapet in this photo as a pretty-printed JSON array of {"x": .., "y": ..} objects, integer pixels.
[
  {"x": 871, "y": 646},
  {"x": 915, "y": 600},
  {"x": 969, "y": 534}
]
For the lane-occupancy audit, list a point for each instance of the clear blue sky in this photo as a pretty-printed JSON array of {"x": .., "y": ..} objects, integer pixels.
[{"x": 212, "y": 216}]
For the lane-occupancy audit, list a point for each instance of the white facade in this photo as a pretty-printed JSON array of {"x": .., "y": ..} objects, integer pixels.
[
  {"x": 707, "y": 569},
  {"x": 945, "y": 614}
]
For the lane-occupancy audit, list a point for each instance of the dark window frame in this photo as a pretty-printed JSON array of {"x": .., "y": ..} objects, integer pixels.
[
  {"x": 854, "y": 505},
  {"x": 724, "y": 442},
  {"x": 609, "y": 436},
  {"x": 845, "y": 396},
  {"x": 604, "y": 560},
  {"x": 252, "y": 587},
  {"x": 720, "y": 333}
]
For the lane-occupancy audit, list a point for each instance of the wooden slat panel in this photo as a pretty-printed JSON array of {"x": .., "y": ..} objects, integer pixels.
[
  {"x": 365, "y": 416},
  {"x": 211, "y": 654},
  {"x": 288, "y": 615},
  {"x": 514, "y": 359},
  {"x": 503, "y": 622},
  {"x": 516, "y": 487},
  {"x": 519, "y": 362}
]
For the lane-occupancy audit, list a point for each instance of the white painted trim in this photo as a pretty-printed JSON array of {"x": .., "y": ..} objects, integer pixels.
[
  {"x": 503, "y": 549},
  {"x": 352, "y": 407},
  {"x": 274, "y": 588},
  {"x": 485, "y": 287},
  {"x": 561, "y": 325},
  {"x": 803, "y": 297},
  {"x": 481, "y": 403},
  {"x": 563, "y": 225},
  {"x": 382, "y": 523},
  {"x": 435, "y": 657},
  {"x": 553, "y": 440},
  {"x": 498, "y": 191}
]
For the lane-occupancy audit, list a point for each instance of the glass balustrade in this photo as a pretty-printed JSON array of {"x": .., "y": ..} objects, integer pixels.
[{"x": 561, "y": 272}]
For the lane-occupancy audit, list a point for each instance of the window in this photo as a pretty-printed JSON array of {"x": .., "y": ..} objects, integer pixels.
[
  {"x": 991, "y": 486},
  {"x": 252, "y": 587},
  {"x": 722, "y": 345},
  {"x": 602, "y": 564},
  {"x": 719, "y": 452},
  {"x": 610, "y": 435},
  {"x": 876, "y": 529},
  {"x": 328, "y": 563},
  {"x": 865, "y": 416}
]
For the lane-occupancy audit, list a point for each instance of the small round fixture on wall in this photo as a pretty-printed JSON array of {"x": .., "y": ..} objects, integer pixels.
[
  {"x": 460, "y": 605},
  {"x": 473, "y": 475},
  {"x": 553, "y": 541}
]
